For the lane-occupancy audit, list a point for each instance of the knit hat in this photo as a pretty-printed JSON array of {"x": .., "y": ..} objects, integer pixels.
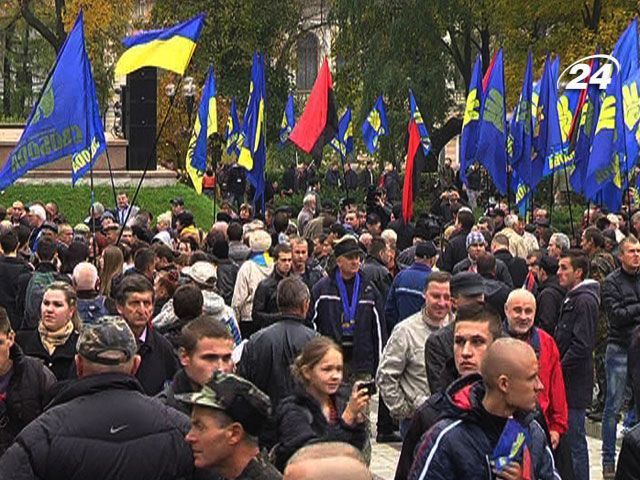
[
  {"x": 259, "y": 241},
  {"x": 426, "y": 250},
  {"x": 345, "y": 246},
  {"x": 475, "y": 238}
]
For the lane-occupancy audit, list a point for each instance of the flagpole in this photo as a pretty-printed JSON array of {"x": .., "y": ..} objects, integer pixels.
[
  {"x": 148, "y": 162},
  {"x": 106, "y": 152},
  {"x": 566, "y": 179},
  {"x": 93, "y": 219}
]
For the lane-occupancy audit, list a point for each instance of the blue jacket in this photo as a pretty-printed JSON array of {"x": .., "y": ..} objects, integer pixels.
[
  {"x": 460, "y": 445},
  {"x": 370, "y": 333},
  {"x": 406, "y": 295}
]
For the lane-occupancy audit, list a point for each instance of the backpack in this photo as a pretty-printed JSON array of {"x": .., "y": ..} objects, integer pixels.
[
  {"x": 90, "y": 310},
  {"x": 33, "y": 298}
]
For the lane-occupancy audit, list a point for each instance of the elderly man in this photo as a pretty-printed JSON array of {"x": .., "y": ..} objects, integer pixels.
[
  {"x": 401, "y": 377},
  {"x": 559, "y": 245},
  {"x": 520, "y": 311},
  {"x": 307, "y": 213},
  {"x": 517, "y": 246},
  {"x": 91, "y": 304}
]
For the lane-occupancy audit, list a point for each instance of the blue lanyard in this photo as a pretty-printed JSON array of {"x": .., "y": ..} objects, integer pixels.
[{"x": 348, "y": 309}]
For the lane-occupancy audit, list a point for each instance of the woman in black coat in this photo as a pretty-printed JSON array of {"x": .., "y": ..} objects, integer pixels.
[
  {"x": 318, "y": 411},
  {"x": 54, "y": 341}
]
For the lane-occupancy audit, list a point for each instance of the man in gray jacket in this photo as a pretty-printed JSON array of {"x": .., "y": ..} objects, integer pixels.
[{"x": 401, "y": 376}]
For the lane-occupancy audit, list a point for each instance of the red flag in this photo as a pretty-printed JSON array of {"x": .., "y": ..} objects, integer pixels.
[
  {"x": 413, "y": 146},
  {"x": 319, "y": 121}
]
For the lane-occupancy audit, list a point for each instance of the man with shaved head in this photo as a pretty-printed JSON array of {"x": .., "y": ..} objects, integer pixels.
[
  {"x": 335, "y": 460},
  {"x": 520, "y": 311},
  {"x": 482, "y": 409}
]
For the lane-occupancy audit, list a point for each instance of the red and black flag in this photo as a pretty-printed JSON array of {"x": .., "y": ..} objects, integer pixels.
[{"x": 318, "y": 124}]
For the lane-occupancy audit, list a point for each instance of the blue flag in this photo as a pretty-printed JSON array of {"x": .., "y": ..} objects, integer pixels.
[
  {"x": 425, "y": 140},
  {"x": 547, "y": 138},
  {"x": 375, "y": 126},
  {"x": 66, "y": 119},
  {"x": 253, "y": 152},
  {"x": 288, "y": 121},
  {"x": 206, "y": 125},
  {"x": 521, "y": 125},
  {"x": 343, "y": 141},
  {"x": 586, "y": 130},
  {"x": 471, "y": 121},
  {"x": 232, "y": 132},
  {"x": 626, "y": 51},
  {"x": 492, "y": 136}
]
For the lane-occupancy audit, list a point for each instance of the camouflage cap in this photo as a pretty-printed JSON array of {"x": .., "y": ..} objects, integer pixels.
[
  {"x": 110, "y": 334},
  {"x": 238, "y": 398}
]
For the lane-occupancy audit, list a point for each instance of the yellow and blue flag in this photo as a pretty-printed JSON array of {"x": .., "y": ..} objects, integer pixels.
[
  {"x": 169, "y": 48},
  {"x": 65, "y": 120},
  {"x": 492, "y": 136},
  {"x": 343, "y": 141},
  {"x": 425, "y": 140},
  {"x": 253, "y": 150},
  {"x": 206, "y": 125},
  {"x": 288, "y": 121},
  {"x": 586, "y": 129},
  {"x": 547, "y": 137},
  {"x": 605, "y": 177},
  {"x": 375, "y": 126},
  {"x": 521, "y": 136},
  {"x": 471, "y": 121},
  {"x": 233, "y": 130}
]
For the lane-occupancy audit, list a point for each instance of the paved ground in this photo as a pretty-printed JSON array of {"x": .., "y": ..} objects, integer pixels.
[{"x": 384, "y": 457}]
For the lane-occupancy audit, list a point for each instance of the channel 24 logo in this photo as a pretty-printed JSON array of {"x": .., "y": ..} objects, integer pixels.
[{"x": 581, "y": 76}]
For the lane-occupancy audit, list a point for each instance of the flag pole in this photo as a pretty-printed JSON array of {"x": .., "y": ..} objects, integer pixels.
[
  {"x": 566, "y": 179},
  {"x": 148, "y": 162},
  {"x": 93, "y": 220}
]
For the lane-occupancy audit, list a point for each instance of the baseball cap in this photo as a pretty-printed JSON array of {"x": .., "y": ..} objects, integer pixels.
[
  {"x": 467, "y": 284},
  {"x": 238, "y": 398},
  {"x": 176, "y": 201},
  {"x": 426, "y": 250},
  {"x": 202, "y": 273},
  {"x": 108, "y": 334}
]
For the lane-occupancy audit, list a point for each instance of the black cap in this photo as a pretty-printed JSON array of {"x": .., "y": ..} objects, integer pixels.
[
  {"x": 426, "y": 250},
  {"x": 467, "y": 284},
  {"x": 346, "y": 245},
  {"x": 549, "y": 264},
  {"x": 177, "y": 201}
]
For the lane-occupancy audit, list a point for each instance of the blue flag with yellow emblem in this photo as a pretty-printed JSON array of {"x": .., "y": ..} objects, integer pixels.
[
  {"x": 233, "y": 129},
  {"x": 343, "y": 141},
  {"x": 521, "y": 125},
  {"x": 471, "y": 121},
  {"x": 65, "y": 120},
  {"x": 206, "y": 125},
  {"x": 492, "y": 136},
  {"x": 253, "y": 151},
  {"x": 288, "y": 121},
  {"x": 425, "y": 140},
  {"x": 375, "y": 126}
]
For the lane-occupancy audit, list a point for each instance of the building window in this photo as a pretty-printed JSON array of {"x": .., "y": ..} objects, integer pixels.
[{"x": 307, "y": 62}]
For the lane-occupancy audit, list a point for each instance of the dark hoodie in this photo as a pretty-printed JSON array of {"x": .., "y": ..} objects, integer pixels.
[
  {"x": 460, "y": 445},
  {"x": 550, "y": 298},
  {"x": 575, "y": 336}
]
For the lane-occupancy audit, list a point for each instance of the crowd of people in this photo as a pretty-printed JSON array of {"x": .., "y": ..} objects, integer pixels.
[{"x": 134, "y": 347}]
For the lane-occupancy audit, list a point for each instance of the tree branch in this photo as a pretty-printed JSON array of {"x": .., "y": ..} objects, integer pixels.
[{"x": 40, "y": 27}]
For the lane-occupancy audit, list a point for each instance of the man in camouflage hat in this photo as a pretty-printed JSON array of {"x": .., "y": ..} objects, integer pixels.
[
  {"x": 228, "y": 415},
  {"x": 102, "y": 426}
]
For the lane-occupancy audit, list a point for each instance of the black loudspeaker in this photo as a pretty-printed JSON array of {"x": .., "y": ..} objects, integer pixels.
[{"x": 140, "y": 118}]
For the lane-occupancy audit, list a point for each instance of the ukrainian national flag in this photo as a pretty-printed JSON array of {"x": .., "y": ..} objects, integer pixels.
[
  {"x": 253, "y": 150},
  {"x": 169, "y": 48},
  {"x": 288, "y": 121},
  {"x": 205, "y": 126},
  {"x": 375, "y": 125},
  {"x": 232, "y": 132}
]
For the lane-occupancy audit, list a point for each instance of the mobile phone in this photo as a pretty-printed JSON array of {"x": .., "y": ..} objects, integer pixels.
[{"x": 370, "y": 387}]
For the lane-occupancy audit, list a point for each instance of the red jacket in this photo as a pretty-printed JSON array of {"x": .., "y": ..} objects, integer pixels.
[{"x": 553, "y": 399}]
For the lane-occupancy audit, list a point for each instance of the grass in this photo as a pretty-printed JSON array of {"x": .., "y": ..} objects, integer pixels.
[{"x": 74, "y": 202}]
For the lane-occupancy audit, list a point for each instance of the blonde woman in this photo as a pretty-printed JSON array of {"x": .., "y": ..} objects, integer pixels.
[{"x": 54, "y": 341}]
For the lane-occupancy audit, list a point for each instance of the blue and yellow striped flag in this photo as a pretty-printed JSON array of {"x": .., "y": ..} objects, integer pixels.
[
  {"x": 169, "y": 48},
  {"x": 205, "y": 126}
]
